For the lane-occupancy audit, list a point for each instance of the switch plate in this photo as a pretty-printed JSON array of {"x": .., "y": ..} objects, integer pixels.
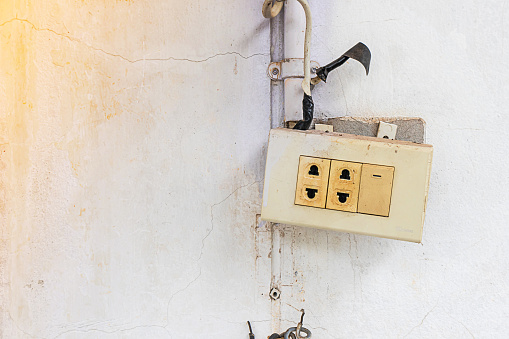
[
  {"x": 410, "y": 164},
  {"x": 375, "y": 190}
]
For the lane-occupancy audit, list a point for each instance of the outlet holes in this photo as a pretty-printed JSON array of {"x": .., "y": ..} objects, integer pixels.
[
  {"x": 342, "y": 197},
  {"x": 313, "y": 170},
  {"x": 345, "y": 175},
  {"x": 386, "y": 137},
  {"x": 311, "y": 192},
  {"x": 377, "y": 175}
]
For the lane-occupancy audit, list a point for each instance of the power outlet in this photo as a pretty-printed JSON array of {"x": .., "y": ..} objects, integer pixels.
[
  {"x": 344, "y": 183},
  {"x": 312, "y": 181},
  {"x": 375, "y": 186}
]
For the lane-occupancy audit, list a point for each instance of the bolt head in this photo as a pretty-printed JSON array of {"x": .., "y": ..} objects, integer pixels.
[
  {"x": 275, "y": 294},
  {"x": 275, "y": 71}
]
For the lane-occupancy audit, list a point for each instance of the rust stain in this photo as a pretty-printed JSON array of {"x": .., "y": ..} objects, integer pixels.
[{"x": 75, "y": 167}]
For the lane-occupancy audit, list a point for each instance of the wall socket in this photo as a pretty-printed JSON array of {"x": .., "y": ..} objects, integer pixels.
[
  {"x": 344, "y": 183},
  {"x": 348, "y": 186},
  {"x": 347, "y": 183},
  {"x": 312, "y": 182}
]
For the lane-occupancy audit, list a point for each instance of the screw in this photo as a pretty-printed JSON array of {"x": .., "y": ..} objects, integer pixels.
[
  {"x": 275, "y": 294},
  {"x": 275, "y": 71}
]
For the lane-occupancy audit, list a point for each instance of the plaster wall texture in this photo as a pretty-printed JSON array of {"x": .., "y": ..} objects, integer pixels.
[{"x": 132, "y": 145}]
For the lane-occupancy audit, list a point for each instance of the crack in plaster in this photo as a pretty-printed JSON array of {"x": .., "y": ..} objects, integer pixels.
[
  {"x": 344, "y": 95},
  {"x": 358, "y": 23},
  {"x": 422, "y": 321},
  {"x": 239, "y": 322},
  {"x": 351, "y": 261},
  {"x": 295, "y": 308},
  {"x": 111, "y": 332},
  {"x": 466, "y": 328},
  {"x": 70, "y": 38},
  {"x": 19, "y": 328},
  {"x": 174, "y": 294},
  {"x": 177, "y": 292},
  {"x": 321, "y": 328},
  {"x": 212, "y": 215},
  {"x": 203, "y": 245}
]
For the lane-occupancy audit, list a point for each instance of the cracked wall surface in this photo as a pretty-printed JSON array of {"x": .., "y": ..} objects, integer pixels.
[
  {"x": 443, "y": 62},
  {"x": 132, "y": 144},
  {"x": 133, "y": 135}
]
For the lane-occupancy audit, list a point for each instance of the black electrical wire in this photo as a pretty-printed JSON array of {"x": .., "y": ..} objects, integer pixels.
[
  {"x": 308, "y": 108},
  {"x": 323, "y": 72}
]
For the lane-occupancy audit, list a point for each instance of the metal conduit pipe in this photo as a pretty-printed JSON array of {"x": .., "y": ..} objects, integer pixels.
[{"x": 270, "y": 9}]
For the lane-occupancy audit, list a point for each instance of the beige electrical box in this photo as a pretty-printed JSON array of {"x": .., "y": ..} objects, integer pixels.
[{"x": 347, "y": 183}]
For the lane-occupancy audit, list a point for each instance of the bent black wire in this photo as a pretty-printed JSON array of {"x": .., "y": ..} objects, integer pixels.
[
  {"x": 323, "y": 72},
  {"x": 308, "y": 108},
  {"x": 359, "y": 52}
]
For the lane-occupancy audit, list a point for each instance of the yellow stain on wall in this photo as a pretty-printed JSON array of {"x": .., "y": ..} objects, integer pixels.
[{"x": 17, "y": 116}]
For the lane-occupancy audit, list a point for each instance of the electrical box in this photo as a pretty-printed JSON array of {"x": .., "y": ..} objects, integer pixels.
[{"x": 348, "y": 183}]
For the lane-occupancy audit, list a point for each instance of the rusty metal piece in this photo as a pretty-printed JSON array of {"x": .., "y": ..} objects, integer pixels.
[
  {"x": 297, "y": 333},
  {"x": 359, "y": 52},
  {"x": 251, "y": 335},
  {"x": 301, "y": 330}
]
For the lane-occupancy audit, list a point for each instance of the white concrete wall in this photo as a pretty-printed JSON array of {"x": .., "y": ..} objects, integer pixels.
[{"x": 131, "y": 161}]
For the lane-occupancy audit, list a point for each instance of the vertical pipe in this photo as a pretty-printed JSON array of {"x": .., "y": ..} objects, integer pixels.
[
  {"x": 277, "y": 119},
  {"x": 294, "y": 29},
  {"x": 275, "y": 257},
  {"x": 277, "y": 53}
]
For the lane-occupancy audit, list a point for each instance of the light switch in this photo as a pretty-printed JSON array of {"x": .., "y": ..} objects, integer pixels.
[
  {"x": 312, "y": 179},
  {"x": 344, "y": 181},
  {"x": 375, "y": 190}
]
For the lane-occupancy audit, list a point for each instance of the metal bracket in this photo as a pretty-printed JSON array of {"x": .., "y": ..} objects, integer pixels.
[{"x": 290, "y": 68}]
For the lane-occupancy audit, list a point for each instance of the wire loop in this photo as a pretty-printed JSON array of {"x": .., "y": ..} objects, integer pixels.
[{"x": 271, "y": 8}]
